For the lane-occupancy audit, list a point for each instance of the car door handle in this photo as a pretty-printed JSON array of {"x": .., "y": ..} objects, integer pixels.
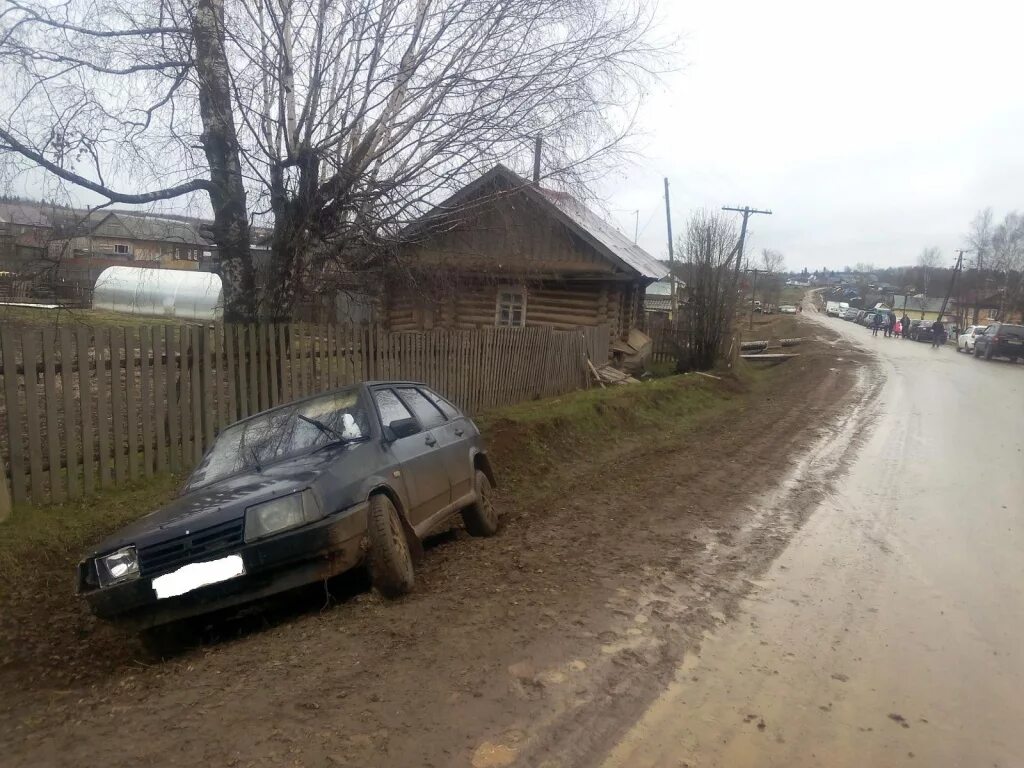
[
  {"x": 460, "y": 432},
  {"x": 430, "y": 440}
]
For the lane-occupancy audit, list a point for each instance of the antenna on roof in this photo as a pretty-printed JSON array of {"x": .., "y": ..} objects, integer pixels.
[{"x": 538, "y": 144}]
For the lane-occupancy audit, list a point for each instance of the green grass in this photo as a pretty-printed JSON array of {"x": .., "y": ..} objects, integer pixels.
[
  {"x": 55, "y": 534},
  {"x": 530, "y": 441}
]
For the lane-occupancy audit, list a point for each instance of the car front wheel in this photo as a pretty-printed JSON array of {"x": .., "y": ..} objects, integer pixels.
[
  {"x": 480, "y": 517},
  {"x": 391, "y": 571}
]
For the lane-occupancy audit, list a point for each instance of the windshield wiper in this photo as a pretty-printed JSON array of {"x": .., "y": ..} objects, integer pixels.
[{"x": 327, "y": 430}]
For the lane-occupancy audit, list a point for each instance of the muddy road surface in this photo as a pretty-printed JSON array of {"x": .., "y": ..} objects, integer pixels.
[
  {"x": 541, "y": 646},
  {"x": 888, "y": 632}
]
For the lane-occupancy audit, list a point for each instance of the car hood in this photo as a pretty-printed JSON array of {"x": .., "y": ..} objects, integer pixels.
[{"x": 219, "y": 502}]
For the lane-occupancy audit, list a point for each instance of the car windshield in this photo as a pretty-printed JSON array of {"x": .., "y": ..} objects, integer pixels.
[{"x": 283, "y": 433}]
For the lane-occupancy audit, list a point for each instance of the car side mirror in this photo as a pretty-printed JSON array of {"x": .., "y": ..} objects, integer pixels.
[{"x": 396, "y": 430}]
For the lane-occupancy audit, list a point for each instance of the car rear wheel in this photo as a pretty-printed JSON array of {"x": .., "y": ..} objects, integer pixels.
[
  {"x": 391, "y": 571},
  {"x": 481, "y": 518}
]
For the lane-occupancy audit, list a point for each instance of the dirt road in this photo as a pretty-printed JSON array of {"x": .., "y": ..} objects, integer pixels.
[
  {"x": 889, "y": 631},
  {"x": 542, "y": 646}
]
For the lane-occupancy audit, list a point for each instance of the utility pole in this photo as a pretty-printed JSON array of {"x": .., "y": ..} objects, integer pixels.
[
  {"x": 952, "y": 281},
  {"x": 753, "y": 293},
  {"x": 671, "y": 257},
  {"x": 747, "y": 211},
  {"x": 977, "y": 287}
]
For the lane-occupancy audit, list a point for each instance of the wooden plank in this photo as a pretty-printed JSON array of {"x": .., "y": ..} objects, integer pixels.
[
  {"x": 146, "y": 398},
  {"x": 273, "y": 369},
  {"x": 195, "y": 338},
  {"x": 172, "y": 379},
  {"x": 209, "y": 390},
  {"x": 282, "y": 359},
  {"x": 254, "y": 371},
  {"x": 185, "y": 397},
  {"x": 329, "y": 344},
  {"x": 104, "y": 426},
  {"x": 56, "y": 480},
  {"x": 5, "y": 495},
  {"x": 69, "y": 408},
  {"x": 293, "y": 371},
  {"x": 85, "y": 400},
  {"x": 117, "y": 401},
  {"x": 231, "y": 358},
  {"x": 30, "y": 358},
  {"x": 219, "y": 379},
  {"x": 159, "y": 401},
  {"x": 131, "y": 399},
  {"x": 19, "y": 489},
  {"x": 298, "y": 359},
  {"x": 241, "y": 371},
  {"x": 264, "y": 366}
]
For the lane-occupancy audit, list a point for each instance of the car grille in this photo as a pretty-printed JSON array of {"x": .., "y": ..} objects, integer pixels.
[{"x": 198, "y": 545}]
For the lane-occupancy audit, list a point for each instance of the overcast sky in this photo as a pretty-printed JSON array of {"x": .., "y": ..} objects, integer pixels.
[{"x": 871, "y": 129}]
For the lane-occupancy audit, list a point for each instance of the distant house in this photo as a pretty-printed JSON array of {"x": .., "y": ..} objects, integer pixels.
[
  {"x": 923, "y": 307},
  {"x": 120, "y": 238},
  {"x": 504, "y": 252}
]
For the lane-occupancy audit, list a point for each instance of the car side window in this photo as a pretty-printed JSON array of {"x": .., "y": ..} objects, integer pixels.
[
  {"x": 391, "y": 408},
  {"x": 425, "y": 411},
  {"x": 447, "y": 408}
]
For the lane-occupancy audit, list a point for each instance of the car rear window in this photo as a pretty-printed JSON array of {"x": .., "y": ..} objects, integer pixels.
[
  {"x": 447, "y": 408},
  {"x": 391, "y": 408},
  {"x": 427, "y": 413}
]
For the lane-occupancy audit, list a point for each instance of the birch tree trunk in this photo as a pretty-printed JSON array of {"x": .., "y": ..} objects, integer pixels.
[{"x": 220, "y": 144}]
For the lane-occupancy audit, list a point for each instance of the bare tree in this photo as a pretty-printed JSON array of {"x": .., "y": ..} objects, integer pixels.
[
  {"x": 1008, "y": 260},
  {"x": 979, "y": 237},
  {"x": 772, "y": 261},
  {"x": 336, "y": 122},
  {"x": 709, "y": 249},
  {"x": 104, "y": 96},
  {"x": 929, "y": 260}
]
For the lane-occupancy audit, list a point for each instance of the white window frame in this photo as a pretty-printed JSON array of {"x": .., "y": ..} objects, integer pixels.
[
  {"x": 127, "y": 249},
  {"x": 498, "y": 302}
]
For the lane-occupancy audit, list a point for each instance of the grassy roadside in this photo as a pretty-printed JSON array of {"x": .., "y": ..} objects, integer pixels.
[{"x": 525, "y": 440}]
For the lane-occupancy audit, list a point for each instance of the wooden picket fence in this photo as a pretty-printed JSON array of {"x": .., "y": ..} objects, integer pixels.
[{"x": 86, "y": 408}]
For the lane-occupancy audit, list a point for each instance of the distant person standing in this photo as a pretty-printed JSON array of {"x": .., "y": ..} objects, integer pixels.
[
  {"x": 887, "y": 325},
  {"x": 938, "y": 334},
  {"x": 876, "y": 323},
  {"x": 905, "y": 322}
]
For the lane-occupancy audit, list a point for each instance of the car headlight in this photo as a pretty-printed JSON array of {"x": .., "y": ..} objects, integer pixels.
[
  {"x": 122, "y": 565},
  {"x": 281, "y": 514}
]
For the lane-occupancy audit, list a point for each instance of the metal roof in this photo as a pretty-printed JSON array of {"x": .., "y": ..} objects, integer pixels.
[
  {"x": 601, "y": 235},
  {"x": 608, "y": 236}
]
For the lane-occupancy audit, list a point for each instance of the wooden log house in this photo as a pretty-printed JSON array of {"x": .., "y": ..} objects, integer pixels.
[{"x": 505, "y": 252}]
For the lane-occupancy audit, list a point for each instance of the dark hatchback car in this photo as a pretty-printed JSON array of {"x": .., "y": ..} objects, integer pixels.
[
  {"x": 295, "y": 495},
  {"x": 1001, "y": 340}
]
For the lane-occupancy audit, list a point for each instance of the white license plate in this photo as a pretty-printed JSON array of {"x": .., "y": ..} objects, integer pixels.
[{"x": 196, "y": 575}]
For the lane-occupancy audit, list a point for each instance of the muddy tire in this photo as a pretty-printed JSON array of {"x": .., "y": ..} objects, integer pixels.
[
  {"x": 390, "y": 565},
  {"x": 481, "y": 518}
]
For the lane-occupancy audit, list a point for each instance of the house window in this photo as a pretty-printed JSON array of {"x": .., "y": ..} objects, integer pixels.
[
  {"x": 992, "y": 313},
  {"x": 121, "y": 249},
  {"x": 511, "y": 309}
]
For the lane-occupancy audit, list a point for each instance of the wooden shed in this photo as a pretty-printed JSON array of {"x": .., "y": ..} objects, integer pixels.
[{"x": 505, "y": 252}]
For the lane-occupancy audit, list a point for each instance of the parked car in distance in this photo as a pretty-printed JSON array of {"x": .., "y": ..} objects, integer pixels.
[
  {"x": 868, "y": 319},
  {"x": 850, "y": 314},
  {"x": 294, "y": 495},
  {"x": 965, "y": 341},
  {"x": 787, "y": 309},
  {"x": 1001, "y": 340},
  {"x": 921, "y": 330}
]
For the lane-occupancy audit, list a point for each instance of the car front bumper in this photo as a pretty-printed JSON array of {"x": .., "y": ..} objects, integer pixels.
[{"x": 285, "y": 561}]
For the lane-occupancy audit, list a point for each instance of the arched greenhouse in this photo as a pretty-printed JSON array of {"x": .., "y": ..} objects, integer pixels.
[{"x": 181, "y": 294}]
